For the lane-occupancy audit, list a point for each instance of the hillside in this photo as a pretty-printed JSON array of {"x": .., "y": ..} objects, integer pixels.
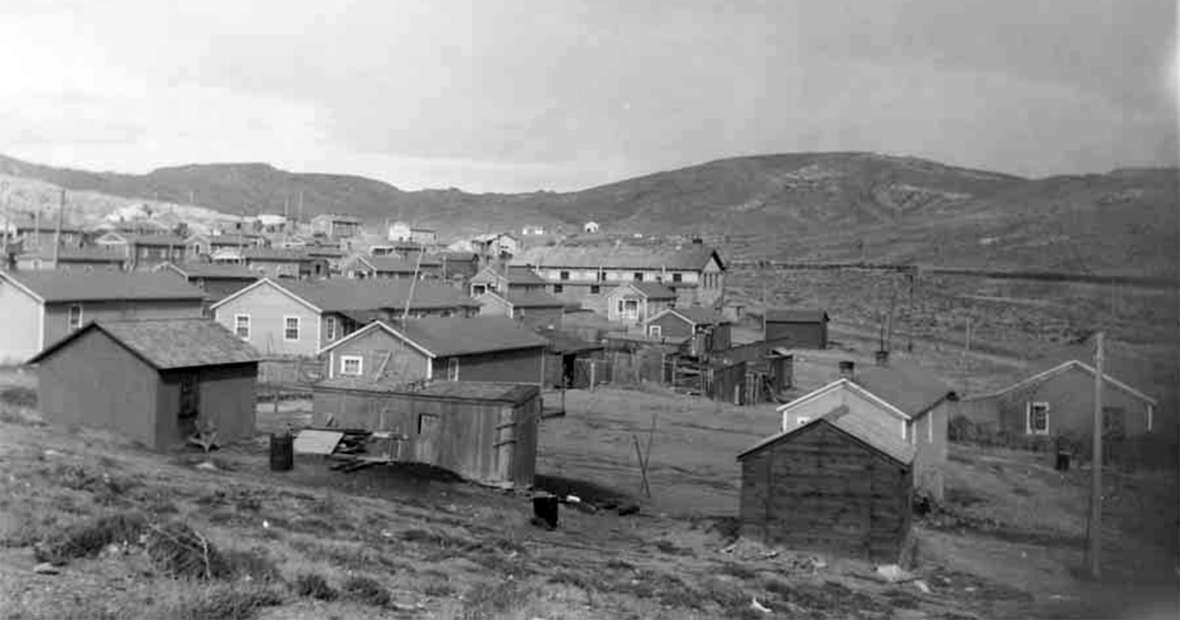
[{"x": 813, "y": 206}]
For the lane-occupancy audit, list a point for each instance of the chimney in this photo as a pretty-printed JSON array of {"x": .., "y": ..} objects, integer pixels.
[
  {"x": 847, "y": 369},
  {"x": 882, "y": 358}
]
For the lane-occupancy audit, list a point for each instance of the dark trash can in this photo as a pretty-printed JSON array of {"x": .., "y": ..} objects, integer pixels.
[
  {"x": 545, "y": 510},
  {"x": 282, "y": 452},
  {"x": 1062, "y": 461}
]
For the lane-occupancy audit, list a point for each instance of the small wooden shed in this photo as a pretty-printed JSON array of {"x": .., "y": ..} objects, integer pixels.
[
  {"x": 155, "y": 381},
  {"x": 486, "y": 432},
  {"x": 800, "y": 328},
  {"x": 834, "y": 485}
]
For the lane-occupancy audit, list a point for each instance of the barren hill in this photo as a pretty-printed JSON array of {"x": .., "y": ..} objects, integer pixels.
[{"x": 827, "y": 206}]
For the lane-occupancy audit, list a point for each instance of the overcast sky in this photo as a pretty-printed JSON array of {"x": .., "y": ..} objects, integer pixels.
[{"x": 548, "y": 94}]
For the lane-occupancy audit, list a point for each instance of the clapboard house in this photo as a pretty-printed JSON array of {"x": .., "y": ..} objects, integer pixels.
[
  {"x": 486, "y": 348},
  {"x": 218, "y": 281},
  {"x": 900, "y": 399},
  {"x": 300, "y": 317},
  {"x": 1059, "y": 402},
  {"x": 635, "y": 302},
  {"x": 484, "y": 432},
  {"x": 506, "y": 279},
  {"x": 536, "y": 309},
  {"x": 155, "y": 381},
  {"x": 84, "y": 258},
  {"x": 798, "y": 328},
  {"x": 701, "y": 331},
  {"x": 38, "y": 308},
  {"x": 145, "y": 251},
  {"x": 836, "y": 484},
  {"x": 362, "y": 267}
]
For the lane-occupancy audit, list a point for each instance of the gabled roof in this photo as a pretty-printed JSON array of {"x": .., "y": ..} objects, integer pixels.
[
  {"x": 840, "y": 384},
  {"x": 1065, "y": 367},
  {"x": 512, "y": 393},
  {"x": 55, "y": 285},
  {"x": 529, "y": 299},
  {"x": 85, "y": 254},
  {"x": 905, "y": 386},
  {"x": 345, "y": 295},
  {"x": 245, "y": 239},
  {"x": 876, "y": 436},
  {"x": 696, "y": 315},
  {"x": 169, "y": 343},
  {"x": 152, "y": 240},
  {"x": 387, "y": 264},
  {"x": 691, "y": 257},
  {"x": 650, "y": 290},
  {"x": 566, "y": 342},
  {"x": 523, "y": 274},
  {"x": 439, "y": 337},
  {"x": 796, "y": 315},
  {"x": 210, "y": 271},
  {"x": 275, "y": 254}
]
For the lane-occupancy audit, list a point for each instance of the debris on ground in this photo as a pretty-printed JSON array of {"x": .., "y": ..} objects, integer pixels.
[
  {"x": 892, "y": 573},
  {"x": 922, "y": 586},
  {"x": 45, "y": 568},
  {"x": 756, "y": 606},
  {"x": 206, "y": 465}
]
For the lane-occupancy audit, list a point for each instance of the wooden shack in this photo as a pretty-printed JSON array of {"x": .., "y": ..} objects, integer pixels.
[
  {"x": 154, "y": 381},
  {"x": 834, "y": 485},
  {"x": 485, "y": 432},
  {"x": 800, "y": 328}
]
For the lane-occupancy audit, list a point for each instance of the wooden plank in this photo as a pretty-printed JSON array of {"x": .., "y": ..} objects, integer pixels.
[{"x": 317, "y": 442}]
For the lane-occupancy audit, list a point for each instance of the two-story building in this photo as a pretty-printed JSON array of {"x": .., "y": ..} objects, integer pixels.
[
  {"x": 587, "y": 274},
  {"x": 207, "y": 245},
  {"x": 71, "y": 258},
  {"x": 505, "y": 279},
  {"x": 336, "y": 226},
  {"x": 145, "y": 252},
  {"x": 38, "y": 308}
]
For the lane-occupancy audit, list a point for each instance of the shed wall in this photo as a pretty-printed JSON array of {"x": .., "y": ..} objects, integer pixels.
[
  {"x": 799, "y": 335},
  {"x": 226, "y": 395},
  {"x": 516, "y": 366},
  {"x": 20, "y": 329}
]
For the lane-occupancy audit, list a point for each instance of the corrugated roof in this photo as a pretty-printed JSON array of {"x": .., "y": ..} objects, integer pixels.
[
  {"x": 337, "y": 295},
  {"x": 513, "y": 393},
  {"x": 688, "y": 257},
  {"x": 877, "y": 436},
  {"x": 171, "y": 343},
  {"x": 910, "y": 388},
  {"x": 796, "y": 315},
  {"x": 213, "y": 271},
  {"x": 464, "y": 336},
  {"x": 70, "y": 285}
]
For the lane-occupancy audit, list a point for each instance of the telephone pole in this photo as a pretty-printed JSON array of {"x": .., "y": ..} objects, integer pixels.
[
  {"x": 61, "y": 209},
  {"x": 1094, "y": 531}
]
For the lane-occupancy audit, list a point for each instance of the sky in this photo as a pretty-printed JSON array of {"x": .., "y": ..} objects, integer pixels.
[{"x": 490, "y": 95}]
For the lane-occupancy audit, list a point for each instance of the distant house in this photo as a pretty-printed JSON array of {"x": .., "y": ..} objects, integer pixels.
[
  {"x": 361, "y": 267},
  {"x": 218, "y": 281},
  {"x": 71, "y": 258},
  {"x": 398, "y": 231},
  {"x": 590, "y": 227},
  {"x": 42, "y": 307},
  {"x": 155, "y": 381},
  {"x": 458, "y": 265},
  {"x": 272, "y": 223},
  {"x": 1059, "y": 402},
  {"x": 494, "y": 246},
  {"x": 274, "y": 262},
  {"x": 701, "y": 329},
  {"x": 484, "y": 432},
  {"x": 207, "y": 245},
  {"x": 901, "y": 399},
  {"x": 145, "y": 252},
  {"x": 836, "y": 484},
  {"x": 565, "y": 349},
  {"x": 43, "y": 237},
  {"x": 484, "y": 348},
  {"x": 534, "y": 309},
  {"x": 532, "y": 231},
  {"x": 299, "y": 317},
  {"x": 506, "y": 279},
  {"x": 424, "y": 236},
  {"x": 635, "y": 302},
  {"x": 586, "y": 274},
  {"x": 805, "y": 328},
  {"x": 336, "y": 226}
]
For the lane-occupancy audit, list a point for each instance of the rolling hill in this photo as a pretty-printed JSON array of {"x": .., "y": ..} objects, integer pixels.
[{"x": 815, "y": 206}]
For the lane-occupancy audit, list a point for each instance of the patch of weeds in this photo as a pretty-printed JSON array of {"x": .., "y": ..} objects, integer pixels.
[
  {"x": 667, "y": 589},
  {"x": 1021, "y": 491},
  {"x": 579, "y": 580},
  {"x": 253, "y": 564},
  {"x": 738, "y": 570},
  {"x": 439, "y": 589},
  {"x": 247, "y": 503},
  {"x": 19, "y": 396},
  {"x": 484, "y": 601},
  {"x": 902, "y": 599},
  {"x": 963, "y": 497},
  {"x": 366, "y": 590},
  {"x": 311, "y": 585},
  {"x": 728, "y": 529},
  {"x": 162, "y": 507},
  {"x": 209, "y": 500},
  {"x": 422, "y": 536},
  {"x": 325, "y": 506},
  {"x": 229, "y": 601},
  {"x": 620, "y": 564},
  {"x": 726, "y": 595},
  {"x": 180, "y": 551},
  {"x": 79, "y": 478},
  {"x": 831, "y": 597},
  {"x": 87, "y": 539},
  {"x": 671, "y": 548}
]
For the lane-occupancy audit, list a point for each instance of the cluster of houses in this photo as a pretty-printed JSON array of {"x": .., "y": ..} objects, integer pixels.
[{"x": 451, "y": 350}]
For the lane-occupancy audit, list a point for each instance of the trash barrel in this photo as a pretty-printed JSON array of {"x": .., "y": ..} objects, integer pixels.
[
  {"x": 282, "y": 452},
  {"x": 545, "y": 509},
  {"x": 1062, "y": 461}
]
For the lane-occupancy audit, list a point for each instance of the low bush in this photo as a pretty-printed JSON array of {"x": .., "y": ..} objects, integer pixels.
[
  {"x": 231, "y": 601},
  {"x": 19, "y": 396},
  {"x": 88, "y": 539},
  {"x": 366, "y": 590},
  {"x": 315, "y": 586}
]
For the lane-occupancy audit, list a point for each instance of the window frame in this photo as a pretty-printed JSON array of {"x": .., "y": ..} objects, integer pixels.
[
  {"x": 637, "y": 276},
  {"x": 1028, "y": 417},
  {"x": 452, "y": 369},
  {"x": 298, "y": 328},
  {"x": 655, "y": 331},
  {"x": 249, "y": 325},
  {"x": 563, "y": 276},
  {"x": 360, "y": 365},
  {"x": 70, "y": 323},
  {"x": 677, "y": 277},
  {"x": 595, "y": 289},
  {"x": 558, "y": 289},
  {"x": 330, "y": 326}
]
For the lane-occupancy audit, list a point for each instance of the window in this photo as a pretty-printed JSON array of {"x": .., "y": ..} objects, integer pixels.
[
  {"x": 1114, "y": 423},
  {"x": 565, "y": 275},
  {"x": 638, "y": 275},
  {"x": 1038, "y": 419},
  {"x": 453, "y": 369},
  {"x": 801, "y": 420},
  {"x": 352, "y": 365},
  {"x": 330, "y": 327},
  {"x": 557, "y": 288},
  {"x": 930, "y": 428},
  {"x": 676, "y": 277},
  {"x": 653, "y": 331},
  {"x": 478, "y": 289},
  {"x": 75, "y": 317},
  {"x": 600, "y": 276},
  {"x": 291, "y": 328},
  {"x": 446, "y": 314},
  {"x": 595, "y": 289},
  {"x": 427, "y": 423},
  {"x": 242, "y": 326},
  {"x": 620, "y": 306},
  {"x": 517, "y": 313}
]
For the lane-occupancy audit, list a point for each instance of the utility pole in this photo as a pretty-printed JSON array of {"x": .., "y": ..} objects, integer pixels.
[
  {"x": 61, "y": 208},
  {"x": 1094, "y": 531}
]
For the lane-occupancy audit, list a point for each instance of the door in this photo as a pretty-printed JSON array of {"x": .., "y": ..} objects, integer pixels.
[
  {"x": 429, "y": 435},
  {"x": 630, "y": 310},
  {"x": 190, "y": 404}
]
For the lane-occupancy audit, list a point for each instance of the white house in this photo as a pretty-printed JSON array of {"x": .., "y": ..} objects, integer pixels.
[
  {"x": 590, "y": 227},
  {"x": 399, "y": 231}
]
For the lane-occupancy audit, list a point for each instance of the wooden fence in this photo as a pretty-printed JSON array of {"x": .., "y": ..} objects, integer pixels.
[{"x": 291, "y": 373}]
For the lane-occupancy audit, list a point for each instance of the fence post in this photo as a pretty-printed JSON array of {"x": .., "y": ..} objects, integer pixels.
[{"x": 592, "y": 365}]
